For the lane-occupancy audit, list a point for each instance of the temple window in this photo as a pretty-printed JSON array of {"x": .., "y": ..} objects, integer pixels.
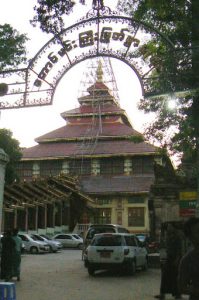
[
  {"x": 104, "y": 201},
  {"x": 24, "y": 170},
  {"x": 103, "y": 216},
  {"x": 142, "y": 165},
  {"x": 50, "y": 167},
  {"x": 136, "y": 216},
  {"x": 80, "y": 167},
  {"x": 136, "y": 199},
  {"x": 112, "y": 166}
]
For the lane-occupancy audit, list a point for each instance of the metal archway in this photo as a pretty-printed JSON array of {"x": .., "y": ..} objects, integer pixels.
[{"x": 101, "y": 33}]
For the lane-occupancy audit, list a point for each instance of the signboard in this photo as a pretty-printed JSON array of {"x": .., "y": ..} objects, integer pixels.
[
  {"x": 98, "y": 34},
  {"x": 192, "y": 195},
  {"x": 187, "y": 203}
]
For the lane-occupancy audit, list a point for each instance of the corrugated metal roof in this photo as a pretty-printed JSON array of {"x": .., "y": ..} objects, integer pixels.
[
  {"x": 100, "y": 148},
  {"x": 117, "y": 184}
]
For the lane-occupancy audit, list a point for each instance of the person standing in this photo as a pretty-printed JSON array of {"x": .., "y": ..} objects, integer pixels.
[
  {"x": 188, "y": 277},
  {"x": 8, "y": 246},
  {"x": 17, "y": 255},
  {"x": 169, "y": 269}
]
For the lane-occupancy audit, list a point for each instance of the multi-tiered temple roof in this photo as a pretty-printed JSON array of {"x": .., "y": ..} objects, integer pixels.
[{"x": 99, "y": 123}]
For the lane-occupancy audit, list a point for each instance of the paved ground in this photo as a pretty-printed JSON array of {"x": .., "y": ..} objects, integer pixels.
[{"x": 62, "y": 276}]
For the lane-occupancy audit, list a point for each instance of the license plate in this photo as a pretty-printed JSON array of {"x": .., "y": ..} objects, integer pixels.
[{"x": 105, "y": 254}]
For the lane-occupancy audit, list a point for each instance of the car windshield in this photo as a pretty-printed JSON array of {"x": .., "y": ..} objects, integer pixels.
[
  {"x": 36, "y": 238},
  {"x": 46, "y": 237},
  {"x": 76, "y": 236},
  {"x": 107, "y": 240}
]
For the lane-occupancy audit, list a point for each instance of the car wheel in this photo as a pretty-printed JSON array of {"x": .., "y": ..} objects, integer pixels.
[
  {"x": 80, "y": 246},
  {"x": 132, "y": 268},
  {"x": 145, "y": 266},
  {"x": 51, "y": 249},
  {"x": 91, "y": 270},
  {"x": 34, "y": 250}
]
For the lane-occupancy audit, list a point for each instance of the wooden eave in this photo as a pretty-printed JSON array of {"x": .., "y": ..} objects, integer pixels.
[
  {"x": 40, "y": 193},
  {"x": 28, "y": 193},
  {"x": 17, "y": 193},
  {"x": 95, "y": 156},
  {"x": 62, "y": 183},
  {"x": 51, "y": 191},
  {"x": 91, "y": 114},
  {"x": 52, "y": 194}
]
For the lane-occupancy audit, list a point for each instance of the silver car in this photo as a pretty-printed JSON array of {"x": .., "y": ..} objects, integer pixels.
[
  {"x": 33, "y": 245},
  {"x": 69, "y": 240},
  {"x": 54, "y": 245}
]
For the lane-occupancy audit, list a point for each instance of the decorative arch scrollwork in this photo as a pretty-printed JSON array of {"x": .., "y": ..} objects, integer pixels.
[{"x": 101, "y": 32}]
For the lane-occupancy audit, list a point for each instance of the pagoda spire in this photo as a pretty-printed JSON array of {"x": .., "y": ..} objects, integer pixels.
[{"x": 99, "y": 72}]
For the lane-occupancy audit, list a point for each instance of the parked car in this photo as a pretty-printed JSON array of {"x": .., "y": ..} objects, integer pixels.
[
  {"x": 69, "y": 240},
  {"x": 77, "y": 236},
  {"x": 115, "y": 251},
  {"x": 151, "y": 245},
  {"x": 100, "y": 228},
  {"x": 33, "y": 245},
  {"x": 53, "y": 245}
]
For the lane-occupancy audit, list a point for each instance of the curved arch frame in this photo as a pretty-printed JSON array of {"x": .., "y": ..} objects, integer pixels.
[{"x": 110, "y": 35}]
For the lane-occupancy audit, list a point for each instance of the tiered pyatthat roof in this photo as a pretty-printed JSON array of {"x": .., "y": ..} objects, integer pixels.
[{"x": 99, "y": 122}]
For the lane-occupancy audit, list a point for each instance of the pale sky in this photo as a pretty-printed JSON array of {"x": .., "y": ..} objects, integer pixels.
[{"x": 30, "y": 123}]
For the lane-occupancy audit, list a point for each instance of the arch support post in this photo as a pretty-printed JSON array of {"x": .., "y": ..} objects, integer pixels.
[{"x": 3, "y": 161}]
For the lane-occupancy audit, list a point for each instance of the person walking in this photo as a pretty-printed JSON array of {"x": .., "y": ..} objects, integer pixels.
[
  {"x": 188, "y": 277},
  {"x": 169, "y": 268},
  {"x": 8, "y": 246},
  {"x": 17, "y": 255}
]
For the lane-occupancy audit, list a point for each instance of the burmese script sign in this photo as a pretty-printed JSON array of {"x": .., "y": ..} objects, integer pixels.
[{"x": 111, "y": 36}]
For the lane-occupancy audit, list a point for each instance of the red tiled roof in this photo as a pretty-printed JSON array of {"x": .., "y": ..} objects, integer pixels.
[
  {"x": 98, "y": 86},
  {"x": 89, "y": 130},
  {"x": 123, "y": 184},
  {"x": 96, "y": 147},
  {"x": 89, "y": 109},
  {"x": 89, "y": 120}
]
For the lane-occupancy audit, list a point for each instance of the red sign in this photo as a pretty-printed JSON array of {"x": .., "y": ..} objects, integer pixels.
[{"x": 187, "y": 212}]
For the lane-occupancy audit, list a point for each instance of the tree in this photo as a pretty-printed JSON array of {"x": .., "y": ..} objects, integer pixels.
[
  {"x": 12, "y": 47},
  {"x": 50, "y": 14},
  {"x": 175, "y": 73},
  {"x": 12, "y": 149},
  {"x": 12, "y": 54}
]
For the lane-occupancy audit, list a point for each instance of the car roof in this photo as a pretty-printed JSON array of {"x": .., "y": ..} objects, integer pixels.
[
  {"x": 105, "y": 225},
  {"x": 114, "y": 233}
]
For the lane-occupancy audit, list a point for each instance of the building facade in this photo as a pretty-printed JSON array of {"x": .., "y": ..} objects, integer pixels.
[{"x": 108, "y": 157}]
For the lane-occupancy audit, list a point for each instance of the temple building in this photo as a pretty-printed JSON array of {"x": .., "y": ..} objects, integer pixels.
[{"x": 109, "y": 159}]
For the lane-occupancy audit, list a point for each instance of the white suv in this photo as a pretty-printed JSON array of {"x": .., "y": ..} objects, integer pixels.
[{"x": 115, "y": 250}]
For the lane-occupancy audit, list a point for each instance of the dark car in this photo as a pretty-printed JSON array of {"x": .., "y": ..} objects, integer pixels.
[{"x": 151, "y": 245}]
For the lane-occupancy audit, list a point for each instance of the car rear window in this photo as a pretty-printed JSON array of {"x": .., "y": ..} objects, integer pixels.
[
  {"x": 130, "y": 241},
  {"x": 94, "y": 231},
  {"x": 108, "y": 240}
]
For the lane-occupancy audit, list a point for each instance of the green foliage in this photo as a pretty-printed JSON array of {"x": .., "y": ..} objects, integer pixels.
[
  {"x": 136, "y": 139},
  {"x": 12, "y": 49},
  {"x": 174, "y": 71},
  {"x": 50, "y": 13},
  {"x": 12, "y": 149}
]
